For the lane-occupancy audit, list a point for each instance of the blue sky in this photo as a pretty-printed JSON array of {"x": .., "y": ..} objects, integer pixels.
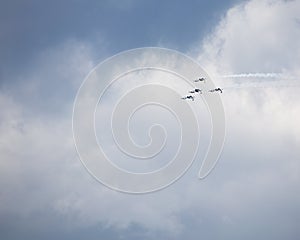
[
  {"x": 47, "y": 49},
  {"x": 28, "y": 28}
]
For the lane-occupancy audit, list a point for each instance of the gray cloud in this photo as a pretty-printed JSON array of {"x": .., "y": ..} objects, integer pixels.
[{"x": 252, "y": 193}]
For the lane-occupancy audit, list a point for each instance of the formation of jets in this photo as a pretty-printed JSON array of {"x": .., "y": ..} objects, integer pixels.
[{"x": 200, "y": 91}]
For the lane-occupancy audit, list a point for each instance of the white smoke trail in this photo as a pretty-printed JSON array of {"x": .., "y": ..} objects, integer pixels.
[
  {"x": 280, "y": 84},
  {"x": 255, "y": 75},
  {"x": 260, "y": 80}
]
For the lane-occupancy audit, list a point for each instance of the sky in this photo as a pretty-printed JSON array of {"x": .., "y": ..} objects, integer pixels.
[{"x": 47, "y": 50}]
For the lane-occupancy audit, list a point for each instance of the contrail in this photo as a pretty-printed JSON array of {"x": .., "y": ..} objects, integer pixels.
[
  {"x": 255, "y": 75},
  {"x": 239, "y": 86},
  {"x": 264, "y": 84},
  {"x": 267, "y": 80}
]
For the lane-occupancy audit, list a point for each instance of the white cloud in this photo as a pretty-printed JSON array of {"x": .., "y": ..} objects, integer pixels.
[
  {"x": 255, "y": 36},
  {"x": 40, "y": 170},
  {"x": 260, "y": 164}
]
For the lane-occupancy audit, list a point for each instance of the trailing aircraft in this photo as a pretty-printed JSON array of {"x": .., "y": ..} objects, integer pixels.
[
  {"x": 189, "y": 97},
  {"x": 216, "y": 89}
]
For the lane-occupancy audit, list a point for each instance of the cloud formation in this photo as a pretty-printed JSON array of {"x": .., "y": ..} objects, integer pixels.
[
  {"x": 252, "y": 193},
  {"x": 262, "y": 135}
]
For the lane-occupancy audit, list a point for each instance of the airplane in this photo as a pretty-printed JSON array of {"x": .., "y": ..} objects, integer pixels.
[
  {"x": 200, "y": 80},
  {"x": 196, "y": 90},
  {"x": 216, "y": 89},
  {"x": 189, "y": 97}
]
